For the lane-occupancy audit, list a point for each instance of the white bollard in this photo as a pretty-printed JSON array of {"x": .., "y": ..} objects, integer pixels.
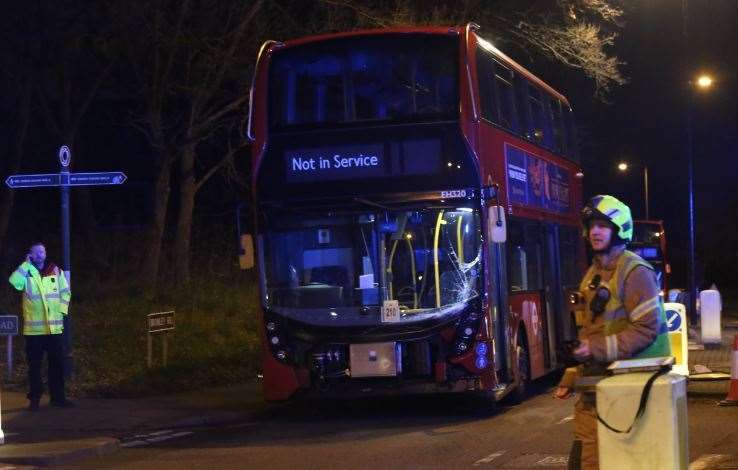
[
  {"x": 676, "y": 321},
  {"x": 710, "y": 317}
]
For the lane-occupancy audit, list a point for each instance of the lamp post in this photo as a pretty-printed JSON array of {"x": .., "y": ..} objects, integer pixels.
[
  {"x": 702, "y": 83},
  {"x": 623, "y": 167}
]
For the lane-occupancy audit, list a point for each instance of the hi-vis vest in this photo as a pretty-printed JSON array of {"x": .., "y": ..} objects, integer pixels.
[
  {"x": 45, "y": 299},
  {"x": 615, "y": 317}
]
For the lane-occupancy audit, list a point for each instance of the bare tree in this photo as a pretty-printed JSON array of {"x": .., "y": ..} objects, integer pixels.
[
  {"x": 189, "y": 61},
  {"x": 575, "y": 33}
]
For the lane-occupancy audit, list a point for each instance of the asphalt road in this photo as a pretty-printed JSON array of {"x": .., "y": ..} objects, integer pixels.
[{"x": 407, "y": 432}]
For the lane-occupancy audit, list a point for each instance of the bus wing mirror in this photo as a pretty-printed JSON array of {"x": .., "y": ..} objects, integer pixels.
[
  {"x": 246, "y": 257},
  {"x": 496, "y": 226}
]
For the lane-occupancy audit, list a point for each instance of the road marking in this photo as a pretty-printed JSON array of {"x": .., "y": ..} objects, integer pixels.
[
  {"x": 708, "y": 461},
  {"x": 489, "y": 458},
  {"x": 134, "y": 444},
  {"x": 154, "y": 437},
  {"x": 566, "y": 420},
  {"x": 553, "y": 460},
  {"x": 538, "y": 460}
]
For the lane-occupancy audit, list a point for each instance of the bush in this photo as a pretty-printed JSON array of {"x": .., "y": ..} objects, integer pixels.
[{"x": 215, "y": 341}]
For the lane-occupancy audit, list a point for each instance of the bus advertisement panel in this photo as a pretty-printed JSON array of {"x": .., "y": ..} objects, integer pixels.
[{"x": 383, "y": 174}]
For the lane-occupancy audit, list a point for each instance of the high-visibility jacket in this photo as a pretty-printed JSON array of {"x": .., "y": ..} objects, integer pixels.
[
  {"x": 638, "y": 331},
  {"x": 619, "y": 342},
  {"x": 46, "y": 297}
]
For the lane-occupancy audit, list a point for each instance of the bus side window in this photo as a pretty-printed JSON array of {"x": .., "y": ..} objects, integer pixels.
[
  {"x": 517, "y": 258},
  {"x": 538, "y": 115},
  {"x": 485, "y": 77},
  {"x": 523, "y": 108},
  {"x": 568, "y": 239},
  {"x": 557, "y": 124},
  {"x": 505, "y": 97},
  {"x": 534, "y": 250}
]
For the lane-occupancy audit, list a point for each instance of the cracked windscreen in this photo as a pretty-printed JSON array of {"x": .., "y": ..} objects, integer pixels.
[{"x": 425, "y": 259}]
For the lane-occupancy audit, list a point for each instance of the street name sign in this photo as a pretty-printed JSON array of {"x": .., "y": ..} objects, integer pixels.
[
  {"x": 161, "y": 321},
  {"x": 8, "y": 325},
  {"x": 33, "y": 181},
  {"x": 66, "y": 179}
]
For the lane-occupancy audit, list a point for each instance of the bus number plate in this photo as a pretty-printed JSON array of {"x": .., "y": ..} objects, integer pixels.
[{"x": 390, "y": 311}]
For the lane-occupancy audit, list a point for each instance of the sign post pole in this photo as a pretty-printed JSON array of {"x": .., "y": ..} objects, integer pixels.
[
  {"x": 65, "y": 158},
  {"x": 9, "y": 375},
  {"x": 164, "y": 349},
  {"x": 149, "y": 347}
]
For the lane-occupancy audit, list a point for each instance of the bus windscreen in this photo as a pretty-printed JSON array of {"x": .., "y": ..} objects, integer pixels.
[{"x": 365, "y": 79}]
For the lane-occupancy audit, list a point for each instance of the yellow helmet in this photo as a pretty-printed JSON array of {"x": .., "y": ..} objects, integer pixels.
[{"x": 608, "y": 208}]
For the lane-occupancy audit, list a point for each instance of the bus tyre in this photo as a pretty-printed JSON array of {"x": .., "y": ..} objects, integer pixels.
[{"x": 520, "y": 393}]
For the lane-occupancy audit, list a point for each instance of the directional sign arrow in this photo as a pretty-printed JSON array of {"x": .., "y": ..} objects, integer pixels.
[
  {"x": 33, "y": 181},
  {"x": 97, "y": 179}
]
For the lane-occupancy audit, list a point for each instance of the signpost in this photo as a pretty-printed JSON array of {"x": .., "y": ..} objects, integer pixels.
[
  {"x": 9, "y": 328},
  {"x": 64, "y": 180},
  {"x": 159, "y": 322}
]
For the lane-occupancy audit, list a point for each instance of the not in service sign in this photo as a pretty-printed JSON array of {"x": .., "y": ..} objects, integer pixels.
[{"x": 161, "y": 321}]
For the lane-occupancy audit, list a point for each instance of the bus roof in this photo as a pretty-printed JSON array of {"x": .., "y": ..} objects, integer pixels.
[{"x": 455, "y": 30}]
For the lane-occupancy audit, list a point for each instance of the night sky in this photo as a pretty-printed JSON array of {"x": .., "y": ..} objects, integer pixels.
[{"x": 646, "y": 124}]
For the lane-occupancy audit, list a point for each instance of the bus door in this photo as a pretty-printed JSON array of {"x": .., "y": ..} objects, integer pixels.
[
  {"x": 525, "y": 256},
  {"x": 497, "y": 288}
]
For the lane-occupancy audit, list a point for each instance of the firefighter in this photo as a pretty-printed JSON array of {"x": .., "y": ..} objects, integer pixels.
[
  {"x": 46, "y": 296},
  {"x": 621, "y": 314}
]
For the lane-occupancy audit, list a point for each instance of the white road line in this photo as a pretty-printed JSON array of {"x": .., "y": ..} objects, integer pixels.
[
  {"x": 168, "y": 436},
  {"x": 134, "y": 444},
  {"x": 489, "y": 458},
  {"x": 565, "y": 420},
  {"x": 708, "y": 461}
]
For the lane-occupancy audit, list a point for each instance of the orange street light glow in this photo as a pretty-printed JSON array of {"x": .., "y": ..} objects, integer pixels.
[
  {"x": 704, "y": 81},
  {"x": 622, "y": 166}
]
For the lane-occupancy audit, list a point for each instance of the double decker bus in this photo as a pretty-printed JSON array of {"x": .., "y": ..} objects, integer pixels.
[
  {"x": 416, "y": 201},
  {"x": 649, "y": 242}
]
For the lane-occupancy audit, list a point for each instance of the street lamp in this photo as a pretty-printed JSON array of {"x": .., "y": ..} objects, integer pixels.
[
  {"x": 623, "y": 167},
  {"x": 702, "y": 83}
]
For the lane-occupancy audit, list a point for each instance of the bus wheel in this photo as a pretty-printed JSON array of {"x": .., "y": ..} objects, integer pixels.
[{"x": 521, "y": 390}]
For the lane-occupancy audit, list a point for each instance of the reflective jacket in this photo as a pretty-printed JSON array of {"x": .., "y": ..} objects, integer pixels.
[
  {"x": 633, "y": 324},
  {"x": 46, "y": 298}
]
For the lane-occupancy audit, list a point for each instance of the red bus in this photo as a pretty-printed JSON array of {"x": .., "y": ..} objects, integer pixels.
[
  {"x": 416, "y": 201},
  {"x": 649, "y": 241}
]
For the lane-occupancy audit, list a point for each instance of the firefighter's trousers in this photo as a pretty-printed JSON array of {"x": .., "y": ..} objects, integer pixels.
[{"x": 585, "y": 429}]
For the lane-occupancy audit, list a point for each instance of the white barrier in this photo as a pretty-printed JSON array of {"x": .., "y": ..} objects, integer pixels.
[{"x": 710, "y": 317}]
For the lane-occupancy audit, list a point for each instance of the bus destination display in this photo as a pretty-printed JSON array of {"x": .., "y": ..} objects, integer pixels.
[
  {"x": 332, "y": 163},
  {"x": 534, "y": 182},
  {"x": 409, "y": 157}
]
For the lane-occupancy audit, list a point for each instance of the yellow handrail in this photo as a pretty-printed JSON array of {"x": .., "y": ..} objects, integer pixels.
[
  {"x": 389, "y": 268},
  {"x": 435, "y": 259}
]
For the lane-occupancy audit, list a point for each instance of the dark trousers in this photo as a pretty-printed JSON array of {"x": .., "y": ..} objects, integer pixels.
[{"x": 36, "y": 345}]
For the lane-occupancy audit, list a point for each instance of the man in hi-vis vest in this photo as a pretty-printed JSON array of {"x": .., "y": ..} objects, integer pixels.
[
  {"x": 620, "y": 313},
  {"x": 46, "y": 296}
]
